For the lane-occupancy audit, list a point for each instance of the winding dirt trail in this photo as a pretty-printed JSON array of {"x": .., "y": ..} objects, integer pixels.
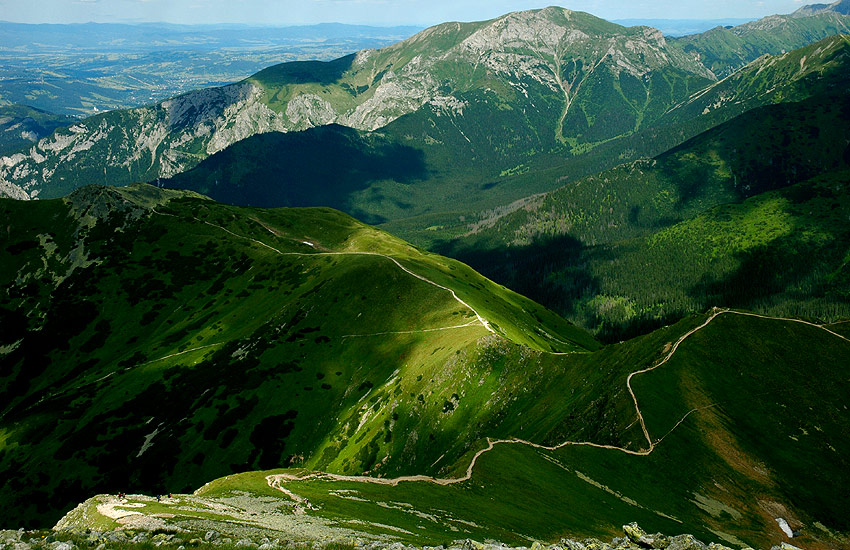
[
  {"x": 478, "y": 316},
  {"x": 276, "y": 481}
]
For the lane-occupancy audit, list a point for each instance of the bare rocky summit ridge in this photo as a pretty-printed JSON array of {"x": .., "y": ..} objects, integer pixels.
[{"x": 841, "y": 6}]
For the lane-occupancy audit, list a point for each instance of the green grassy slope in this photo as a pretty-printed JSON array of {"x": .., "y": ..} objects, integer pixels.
[
  {"x": 744, "y": 426},
  {"x": 155, "y": 339},
  {"x": 724, "y": 50},
  {"x": 581, "y": 238}
]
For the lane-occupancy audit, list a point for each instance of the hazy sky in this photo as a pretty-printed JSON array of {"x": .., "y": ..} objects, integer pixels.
[{"x": 376, "y": 12}]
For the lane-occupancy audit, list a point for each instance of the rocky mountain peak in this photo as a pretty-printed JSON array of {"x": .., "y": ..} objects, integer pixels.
[{"x": 841, "y": 7}]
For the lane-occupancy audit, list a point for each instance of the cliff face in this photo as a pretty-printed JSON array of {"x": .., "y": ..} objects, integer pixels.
[{"x": 144, "y": 143}]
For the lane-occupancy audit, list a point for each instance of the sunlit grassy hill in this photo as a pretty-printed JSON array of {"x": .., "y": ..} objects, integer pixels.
[
  {"x": 746, "y": 427},
  {"x": 155, "y": 340}
]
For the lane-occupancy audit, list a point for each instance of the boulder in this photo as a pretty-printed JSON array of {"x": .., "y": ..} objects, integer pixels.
[
  {"x": 116, "y": 536},
  {"x": 245, "y": 543},
  {"x": 211, "y": 536},
  {"x": 685, "y": 542},
  {"x": 594, "y": 544},
  {"x": 786, "y": 546},
  {"x": 659, "y": 541},
  {"x": 638, "y": 536}
]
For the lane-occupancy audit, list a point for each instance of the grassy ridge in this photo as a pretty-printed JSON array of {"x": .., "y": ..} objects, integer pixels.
[
  {"x": 723, "y": 472},
  {"x": 723, "y": 50},
  {"x": 155, "y": 339}
]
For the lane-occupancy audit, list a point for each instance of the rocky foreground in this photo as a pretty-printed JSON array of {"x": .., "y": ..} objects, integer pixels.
[{"x": 635, "y": 539}]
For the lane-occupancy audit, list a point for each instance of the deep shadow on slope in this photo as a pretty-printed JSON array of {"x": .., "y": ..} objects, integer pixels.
[
  {"x": 803, "y": 272},
  {"x": 564, "y": 274},
  {"x": 782, "y": 252},
  {"x": 305, "y": 72},
  {"x": 582, "y": 249},
  {"x": 319, "y": 167},
  {"x": 768, "y": 148}
]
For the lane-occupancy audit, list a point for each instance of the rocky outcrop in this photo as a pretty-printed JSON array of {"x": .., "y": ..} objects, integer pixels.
[{"x": 66, "y": 539}]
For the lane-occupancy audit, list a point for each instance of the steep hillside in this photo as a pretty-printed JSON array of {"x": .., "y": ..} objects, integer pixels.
[
  {"x": 764, "y": 149},
  {"x": 581, "y": 238},
  {"x": 815, "y": 69},
  {"x": 740, "y": 411},
  {"x": 724, "y": 50},
  {"x": 408, "y": 177},
  {"x": 155, "y": 339},
  {"x": 552, "y": 71}
]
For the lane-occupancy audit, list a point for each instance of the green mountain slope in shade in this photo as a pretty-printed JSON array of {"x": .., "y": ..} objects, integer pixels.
[
  {"x": 811, "y": 70},
  {"x": 742, "y": 416},
  {"x": 21, "y": 126},
  {"x": 724, "y": 50},
  {"x": 614, "y": 280},
  {"x": 155, "y": 339}
]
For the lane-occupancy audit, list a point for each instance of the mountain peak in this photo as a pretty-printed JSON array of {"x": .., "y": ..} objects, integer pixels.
[{"x": 841, "y": 6}]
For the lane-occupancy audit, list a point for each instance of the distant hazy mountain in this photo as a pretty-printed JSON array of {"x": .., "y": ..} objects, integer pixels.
[
  {"x": 841, "y": 6},
  {"x": 502, "y": 93},
  {"x": 681, "y": 27},
  {"x": 88, "y": 68},
  {"x": 724, "y": 50}
]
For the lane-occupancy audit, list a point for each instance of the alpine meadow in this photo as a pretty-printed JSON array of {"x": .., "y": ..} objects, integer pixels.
[{"x": 539, "y": 282}]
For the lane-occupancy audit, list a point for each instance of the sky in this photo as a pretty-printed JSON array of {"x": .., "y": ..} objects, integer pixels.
[{"x": 369, "y": 12}]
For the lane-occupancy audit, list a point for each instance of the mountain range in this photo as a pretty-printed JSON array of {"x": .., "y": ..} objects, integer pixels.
[
  {"x": 305, "y": 338},
  {"x": 524, "y": 70},
  {"x": 669, "y": 219}
]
